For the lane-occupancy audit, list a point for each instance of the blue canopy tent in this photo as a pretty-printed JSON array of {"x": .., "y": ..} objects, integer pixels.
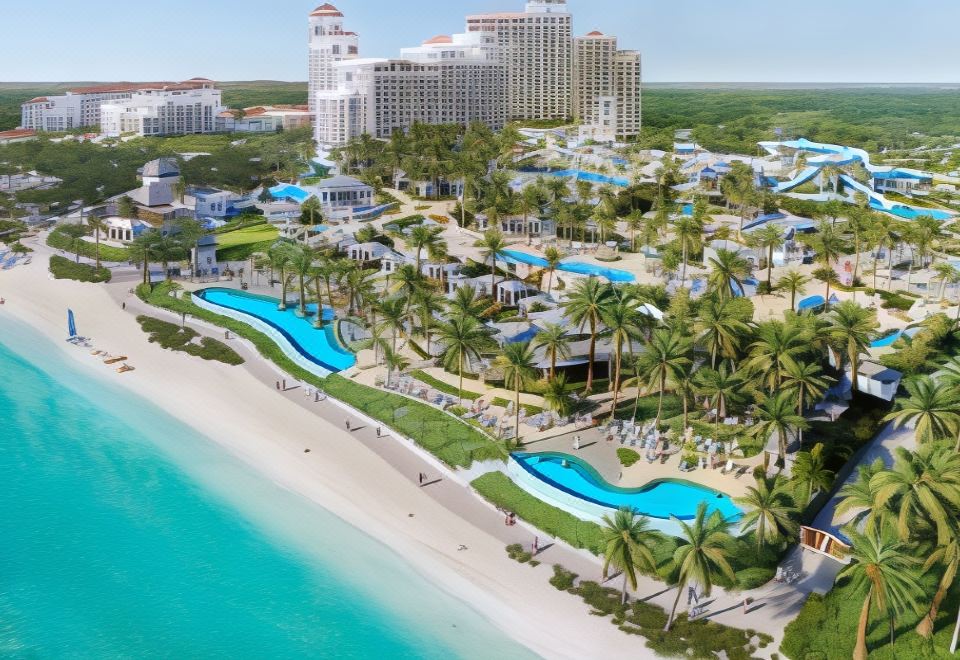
[{"x": 71, "y": 324}]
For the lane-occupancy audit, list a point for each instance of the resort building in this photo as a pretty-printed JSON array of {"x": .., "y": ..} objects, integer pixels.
[
  {"x": 447, "y": 80},
  {"x": 81, "y": 107},
  {"x": 328, "y": 44},
  {"x": 535, "y": 47},
  {"x": 179, "y": 109},
  {"x": 264, "y": 119},
  {"x": 157, "y": 201},
  {"x": 340, "y": 196},
  {"x": 18, "y": 135},
  {"x": 606, "y": 88}
]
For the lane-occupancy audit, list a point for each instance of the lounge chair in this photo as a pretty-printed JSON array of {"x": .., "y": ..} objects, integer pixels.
[
  {"x": 125, "y": 368},
  {"x": 729, "y": 467},
  {"x": 115, "y": 359},
  {"x": 685, "y": 467}
]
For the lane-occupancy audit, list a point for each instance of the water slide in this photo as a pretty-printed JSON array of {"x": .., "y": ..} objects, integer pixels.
[
  {"x": 839, "y": 156},
  {"x": 804, "y": 176}
]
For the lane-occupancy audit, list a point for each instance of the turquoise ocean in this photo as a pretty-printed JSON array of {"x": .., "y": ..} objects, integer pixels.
[{"x": 126, "y": 534}]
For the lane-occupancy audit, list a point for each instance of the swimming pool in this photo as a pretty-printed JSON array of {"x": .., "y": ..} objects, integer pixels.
[
  {"x": 659, "y": 499},
  {"x": 319, "y": 347},
  {"x": 592, "y": 177},
  {"x": 912, "y": 213},
  {"x": 580, "y": 267},
  {"x": 289, "y": 191},
  {"x": 891, "y": 338}
]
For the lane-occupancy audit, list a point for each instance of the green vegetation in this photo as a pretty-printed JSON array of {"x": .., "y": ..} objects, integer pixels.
[
  {"x": 175, "y": 338},
  {"x": 67, "y": 269},
  {"x": 627, "y": 456},
  {"x": 250, "y": 93},
  {"x": 701, "y": 639},
  {"x": 245, "y": 241},
  {"x": 498, "y": 489},
  {"x": 61, "y": 239},
  {"x": 441, "y": 386}
]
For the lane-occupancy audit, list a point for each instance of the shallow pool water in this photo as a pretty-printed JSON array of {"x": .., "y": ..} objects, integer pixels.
[
  {"x": 579, "y": 267},
  {"x": 658, "y": 499},
  {"x": 318, "y": 346}
]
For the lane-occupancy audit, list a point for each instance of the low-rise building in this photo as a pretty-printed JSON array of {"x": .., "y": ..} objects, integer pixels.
[
  {"x": 342, "y": 196},
  {"x": 179, "y": 109},
  {"x": 264, "y": 119},
  {"x": 17, "y": 135}
]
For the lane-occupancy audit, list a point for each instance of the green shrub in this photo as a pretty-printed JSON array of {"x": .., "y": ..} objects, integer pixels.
[
  {"x": 516, "y": 552},
  {"x": 563, "y": 579},
  {"x": 67, "y": 269},
  {"x": 627, "y": 456},
  {"x": 442, "y": 386},
  {"x": 175, "y": 338},
  {"x": 501, "y": 491}
]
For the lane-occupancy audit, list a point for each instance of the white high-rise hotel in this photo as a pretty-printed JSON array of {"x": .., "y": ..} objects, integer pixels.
[{"x": 518, "y": 65}]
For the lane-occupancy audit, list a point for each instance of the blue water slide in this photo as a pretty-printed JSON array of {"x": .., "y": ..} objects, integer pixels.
[{"x": 804, "y": 176}]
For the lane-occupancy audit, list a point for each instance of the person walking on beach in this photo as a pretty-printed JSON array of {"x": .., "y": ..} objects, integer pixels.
[
  {"x": 378, "y": 431},
  {"x": 123, "y": 305},
  {"x": 347, "y": 423},
  {"x": 422, "y": 476},
  {"x": 536, "y": 544}
]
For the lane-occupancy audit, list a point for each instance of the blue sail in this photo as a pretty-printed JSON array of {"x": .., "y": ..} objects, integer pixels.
[{"x": 71, "y": 324}]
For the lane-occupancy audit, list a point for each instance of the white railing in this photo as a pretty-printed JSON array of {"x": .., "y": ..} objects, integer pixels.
[{"x": 282, "y": 342}]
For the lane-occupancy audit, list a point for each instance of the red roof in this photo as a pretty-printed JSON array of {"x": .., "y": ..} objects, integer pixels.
[
  {"x": 17, "y": 133},
  {"x": 193, "y": 83},
  {"x": 439, "y": 39},
  {"x": 326, "y": 10},
  {"x": 39, "y": 99},
  {"x": 596, "y": 33}
]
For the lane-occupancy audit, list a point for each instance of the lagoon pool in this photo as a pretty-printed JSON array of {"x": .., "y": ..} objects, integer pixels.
[
  {"x": 623, "y": 182},
  {"x": 289, "y": 191},
  {"x": 891, "y": 338},
  {"x": 660, "y": 499},
  {"x": 318, "y": 346},
  {"x": 579, "y": 267}
]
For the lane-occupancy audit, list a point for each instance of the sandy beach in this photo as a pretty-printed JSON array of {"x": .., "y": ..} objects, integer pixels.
[{"x": 369, "y": 482}]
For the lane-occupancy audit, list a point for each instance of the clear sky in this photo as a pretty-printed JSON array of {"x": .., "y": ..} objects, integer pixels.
[{"x": 681, "y": 40}]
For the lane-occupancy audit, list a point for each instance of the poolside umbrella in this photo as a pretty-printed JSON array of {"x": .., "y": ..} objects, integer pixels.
[{"x": 71, "y": 324}]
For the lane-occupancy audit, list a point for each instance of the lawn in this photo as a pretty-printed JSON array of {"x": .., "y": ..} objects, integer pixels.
[
  {"x": 67, "y": 269},
  {"x": 57, "y": 239},
  {"x": 175, "y": 338},
  {"x": 241, "y": 243}
]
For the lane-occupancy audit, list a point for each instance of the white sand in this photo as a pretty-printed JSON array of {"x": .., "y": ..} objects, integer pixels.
[{"x": 240, "y": 411}]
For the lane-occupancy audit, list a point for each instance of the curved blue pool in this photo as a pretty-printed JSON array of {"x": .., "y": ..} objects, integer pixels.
[
  {"x": 318, "y": 346},
  {"x": 891, "y": 338},
  {"x": 580, "y": 175},
  {"x": 289, "y": 191},
  {"x": 661, "y": 498},
  {"x": 579, "y": 267}
]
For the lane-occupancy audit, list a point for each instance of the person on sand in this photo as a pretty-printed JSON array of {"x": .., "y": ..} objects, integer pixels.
[
  {"x": 378, "y": 431},
  {"x": 347, "y": 424},
  {"x": 536, "y": 544}
]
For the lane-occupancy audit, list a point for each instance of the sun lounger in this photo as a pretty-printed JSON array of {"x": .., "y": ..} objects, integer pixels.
[
  {"x": 729, "y": 467},
  {"x": 116, "y": 359},
  {"x": 125, "y": 368},
  {"x": 685, "y": 467},
  {"x": 742, "y": 471}
]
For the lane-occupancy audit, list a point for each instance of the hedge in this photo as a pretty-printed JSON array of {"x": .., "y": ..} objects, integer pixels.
[
  {"x": 442, "y": 386},
  {"x": 58, "y": 240},
  {"x": 449, "y": 439},
  {"x": 497, "y": 488},
  {"x": 67, "y": 269}
]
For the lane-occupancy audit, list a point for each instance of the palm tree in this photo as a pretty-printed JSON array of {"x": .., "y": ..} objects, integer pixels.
[
  {"x": 75, "y": 233},
  {"x": 281, "y": 256},
  {"x": 795, "y": 283},
  {"x": 923, "y": 488},
  {"x": 627, "y": 539},
  {"x": 885, "y": 234},
  {"x": 552, "y": 256},
  {"x": 555, "y": 396},
  {"x": 423, "y": 237},
  {"x": 861, "y": 496},
  {"x": 806, "y": 379},
  {"x": 728, "y": 270},
  {"x": 689, "y": 233},
  {"x": 829, "y": 247},
  {"x": 703, "y": 554},
  {"x": 810, "y": 475},
  {"x": 851, "y": 327},
  {"x": 466, "y": 302},
  {"x": 769, "y": 238},
  {"x": 393, "y": 310},
  {"x": 141, "y": 249},
  {"x": 883, "y": 567},
  {"x": 624, "y": 326},
  {"x": 721, "y": 386},
  {"x": 463, "y": 338},
  {"x": 519, "y": 368},
  {"x": 948, "y": 555},
  {"x": 585, "y": 307},
  {"x": 428, "y": 304},
  {"x": 492, "y": 246},
  {"x": 770, "y": 511},
  {"x": 777, "y": 345},
  {"x": 947, "y": 274},
  {"x": 394, "y": 361},
  {"x": 719, "y": 330},
  {"x": 166, "y": 249},
  {"x": 776, "y": 415},
  {"x": 301, "y": 265},
  {"x": 553, "y": 338},
  {"x": 934, "y": 411},
  {"x": 665, "y": 357},
  {"x": 97, "y": 224}
]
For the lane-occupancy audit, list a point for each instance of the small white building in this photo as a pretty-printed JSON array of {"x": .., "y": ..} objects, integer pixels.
[
  {"x": 124, "y": 230},
  {"x": 341, "y": 196},
  {"x": 213, "y": 203},
  {"x": 363, "y": 252},
  {"x": 517, "y": 226},
  {"x": 511, "y": 292}
]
